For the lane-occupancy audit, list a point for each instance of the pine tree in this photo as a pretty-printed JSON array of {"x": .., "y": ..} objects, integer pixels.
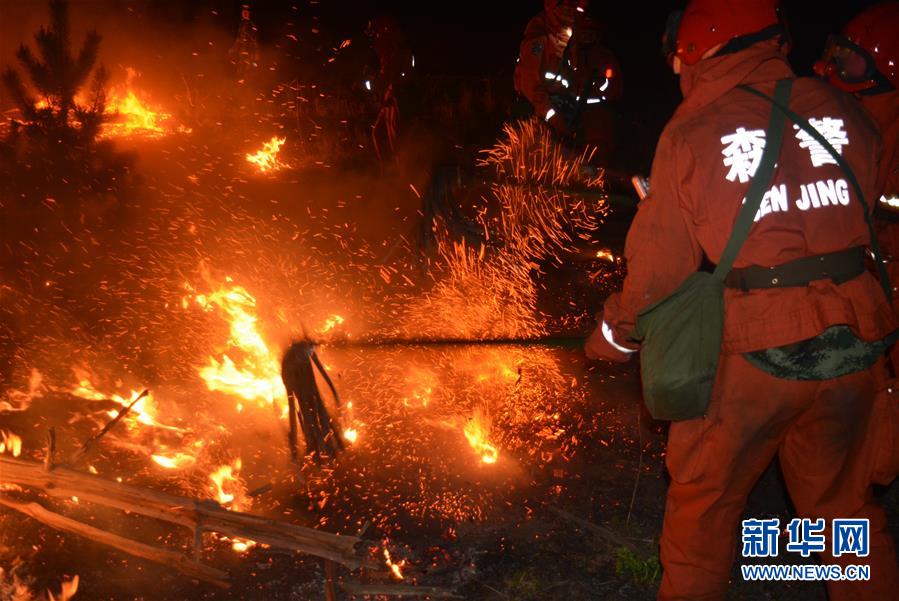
[
  {"x": 54, "y": 149},
  {"x": 57, "y": 75}
]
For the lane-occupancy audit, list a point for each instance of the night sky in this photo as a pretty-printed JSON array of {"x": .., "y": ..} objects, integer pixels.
[
  {"x": 463, "y": 39},
  {"x": 471, "y": 38}
]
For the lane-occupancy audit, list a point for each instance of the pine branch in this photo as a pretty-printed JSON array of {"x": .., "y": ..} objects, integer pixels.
[
  {"x": 54, "y": 63},
  {"x": 38, "y": 72},
  {"x": 86, "y": 59},
  {"x": 98, "y": 91},
  {"x": 19, "y": 95}
]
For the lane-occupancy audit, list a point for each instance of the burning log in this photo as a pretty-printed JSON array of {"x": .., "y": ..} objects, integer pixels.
[
  {"x": 198, "y": 516},
  {"x": 306, "y": 404}
]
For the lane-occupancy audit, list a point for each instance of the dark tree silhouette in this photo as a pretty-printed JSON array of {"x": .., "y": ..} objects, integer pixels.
[
  {"x": 57, "y": 76},
  {"x": 56, "y": 140}
]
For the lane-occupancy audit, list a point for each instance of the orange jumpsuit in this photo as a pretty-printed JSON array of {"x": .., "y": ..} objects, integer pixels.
[
  {"x": 701, "y": 172},
  {"x": 541, "y": 52}
]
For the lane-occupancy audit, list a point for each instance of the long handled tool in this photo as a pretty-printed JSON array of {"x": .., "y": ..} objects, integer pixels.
[{"x": 567, "y": 341}]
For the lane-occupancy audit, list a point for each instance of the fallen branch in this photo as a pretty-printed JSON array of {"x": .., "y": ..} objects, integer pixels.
[
  {"x": 207, "y": 516},
  {"x": 162, "y": 556},
  {"x": 398, "y": 590},
  {"x": 86, "y": 447}
]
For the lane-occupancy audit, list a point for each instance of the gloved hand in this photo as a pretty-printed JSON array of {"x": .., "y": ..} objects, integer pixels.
[{"x": 602, "y": 345}]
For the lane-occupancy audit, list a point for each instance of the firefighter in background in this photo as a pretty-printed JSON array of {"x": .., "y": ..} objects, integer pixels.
[
  {"x": 864, "y": 60},
  {"x": 392, "y": 66},
  {"x": 778, "y": 389},
  {"x": 596, "y": 83},
  {"x": 562, "y": 70},
  {"x": 244, "y": 53}
]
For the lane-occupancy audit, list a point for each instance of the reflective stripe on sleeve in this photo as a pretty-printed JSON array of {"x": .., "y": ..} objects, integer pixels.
[{"x": 607, "y": 334}]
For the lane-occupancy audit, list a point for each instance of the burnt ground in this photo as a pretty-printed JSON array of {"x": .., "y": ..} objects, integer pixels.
[
  {"x": 568, "y": 519},
  {"x": 567, "y": 533}
]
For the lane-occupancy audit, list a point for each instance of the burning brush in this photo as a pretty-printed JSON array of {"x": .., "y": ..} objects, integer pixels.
[{"x": 305, "y": 402}]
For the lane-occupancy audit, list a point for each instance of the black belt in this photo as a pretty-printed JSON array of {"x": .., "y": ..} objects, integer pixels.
[{"x": 840, "y": 266}]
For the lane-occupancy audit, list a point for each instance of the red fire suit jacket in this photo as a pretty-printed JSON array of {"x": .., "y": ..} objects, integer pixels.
[
  {"x": 701, "y": 172},
  {"x": 541, "y": 52}
]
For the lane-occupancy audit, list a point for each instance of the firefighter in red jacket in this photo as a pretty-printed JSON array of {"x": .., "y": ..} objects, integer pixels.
[
  {"x": 776, "y": 392},
  {"x": 562, "y": 67},
  {"x": 864, "y": 60}
]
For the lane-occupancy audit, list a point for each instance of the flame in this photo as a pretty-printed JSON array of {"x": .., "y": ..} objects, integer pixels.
[
  {"x": 144, "y": 411},
  {"x": 128, "y": 112},
  {"x": 178, "y": 461},
  {"x": 10, "y": 443},
  {"x": 240, "y": 545},
  {"x": 395, "y": 568},
  {"x": 231, "y": 492},
  {"x": 228, "y": 488},
  {"x": 351, "y": 435},
  {"x": 131, "y": 116},
  {"x": 266, "y": 159},
  {"x": 606, "y": 255},
  {"x": 67, "y": 592},
  {"x": 332, "y": 322},
  {"x": 476, "y": 431},
  {"x": 257, "y": 376}
]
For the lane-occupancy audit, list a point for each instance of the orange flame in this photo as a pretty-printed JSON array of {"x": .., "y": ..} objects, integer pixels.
[
  {"x": 332, "y": 322},
  {"x": 227, "y": 486},
  {"x": 128, "y": 112},
  {"x": 257, "y": 375},
  {"x": 395, "y": 568},
  {"x": 231, "y": 492},
  {"x": 351, "y": 435},
  {"x": 68, "y": 590},
  {"x": 266, "y": 159},
  {"x": 10, "y": 443},
  {"x": 178, "y": 461},
  {"x": 476, "y": 431},
  {"x": 606, "y": 255},
  {"x": 144, "y": 411}
]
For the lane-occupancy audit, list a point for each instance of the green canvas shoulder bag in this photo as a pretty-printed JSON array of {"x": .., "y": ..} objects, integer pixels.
[{"x": 680, "y": 335}]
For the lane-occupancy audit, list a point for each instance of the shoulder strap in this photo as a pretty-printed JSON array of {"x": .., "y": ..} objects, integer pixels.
[
  {"x": 807, "y": 127},
  {"x": 760, "y": 181}
]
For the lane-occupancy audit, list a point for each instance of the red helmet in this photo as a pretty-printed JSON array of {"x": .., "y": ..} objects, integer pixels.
[
  {"x": 865, "y": 58},
  {"x": 705, "y": 24}
]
